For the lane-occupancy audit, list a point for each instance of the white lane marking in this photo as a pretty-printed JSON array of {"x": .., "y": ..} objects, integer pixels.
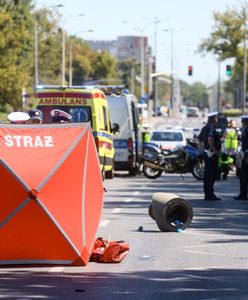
[
  {"x": 202, "y": 246},
  {"x": 203, "y": 234},
  {"x": 202, "y": 252},
  {"x": 128, "y": 200},
  {"x": 116, "y": 210},
  {"x": 57, "y": 269},
  {"x": 136, "y": 193},
  {"x": 104, "y": 223}
]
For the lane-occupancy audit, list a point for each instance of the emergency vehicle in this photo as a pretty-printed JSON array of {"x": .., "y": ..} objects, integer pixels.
[
  {"x": 84, "y": 105},
  {"x": 127, "y": 141}
]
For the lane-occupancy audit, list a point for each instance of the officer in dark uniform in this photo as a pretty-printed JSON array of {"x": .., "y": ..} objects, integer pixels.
[
  {"x": 210, "y": 139},
  {"x": 36, "y": 116},
  {"x": 60, "y": 116},
  {"x": 244, "y": 165}
]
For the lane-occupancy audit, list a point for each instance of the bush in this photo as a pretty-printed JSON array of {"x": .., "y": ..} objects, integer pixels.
[{"x": 233, "y": 112}]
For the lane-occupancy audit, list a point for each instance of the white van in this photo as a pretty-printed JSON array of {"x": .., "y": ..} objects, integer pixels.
[{"x": 127, "y": 143}]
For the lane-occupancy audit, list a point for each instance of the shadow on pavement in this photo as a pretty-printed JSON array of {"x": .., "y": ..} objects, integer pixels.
[{"x": 170, "y": 285}]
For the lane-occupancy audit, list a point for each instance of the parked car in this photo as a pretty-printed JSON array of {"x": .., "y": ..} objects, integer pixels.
[
  {"x": 168, "y": 139},
  {"x": 193, "y": 111}
]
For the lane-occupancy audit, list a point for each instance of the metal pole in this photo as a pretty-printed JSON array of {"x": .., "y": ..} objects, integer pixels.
[
  {"x": 142, "y": 67},
  {"x": 172, "y": 68},
  {"x": 132, "y": 79},
  {"x": 36, "y": 71},
  {"x": 63, "y": 58},
  {"x": 245, "y": 54},
  {"x": 155, "y": 68},
  {"x": 36, "y": 80},
  {"x": 63, "y": 49},
  {"x": 70, "y": 64},
  {"x": 218, "y": 89}
]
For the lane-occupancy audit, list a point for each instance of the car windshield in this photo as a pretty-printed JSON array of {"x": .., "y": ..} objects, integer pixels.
[{"x": 167, "y": 136}]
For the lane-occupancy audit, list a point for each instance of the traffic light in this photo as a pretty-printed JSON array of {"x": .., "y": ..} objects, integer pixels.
[
  {"x": 228, "y": 70},
  {"x": 190, "y": 70}
]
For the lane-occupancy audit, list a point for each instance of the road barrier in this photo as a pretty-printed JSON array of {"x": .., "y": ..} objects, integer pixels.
[{"x": 171, "y": 212}]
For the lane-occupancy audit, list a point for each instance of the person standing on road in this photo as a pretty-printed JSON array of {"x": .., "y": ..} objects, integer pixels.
[
  {"x": 210, "y": 140},
  {"x": 231, "y": 137},
  {"x": 243, "y": 178}
]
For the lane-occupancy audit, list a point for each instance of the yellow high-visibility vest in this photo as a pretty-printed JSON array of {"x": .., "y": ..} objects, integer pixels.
[
  {"x": 231, "y": 139},
  {"x": 146, "y": 137}
]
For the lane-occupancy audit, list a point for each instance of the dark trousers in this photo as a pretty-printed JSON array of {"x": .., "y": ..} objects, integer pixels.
[
  {"x": 210, "y": 174},
  {"x": 244, "y": 177}
]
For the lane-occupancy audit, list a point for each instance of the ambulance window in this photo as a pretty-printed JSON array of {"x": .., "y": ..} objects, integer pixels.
[
  {"x": 81, "y": 114},
  {"x": 105, "y": 119}
]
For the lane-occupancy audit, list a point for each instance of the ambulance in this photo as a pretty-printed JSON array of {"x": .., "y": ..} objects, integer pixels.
[{"x": 84, "y": 105}]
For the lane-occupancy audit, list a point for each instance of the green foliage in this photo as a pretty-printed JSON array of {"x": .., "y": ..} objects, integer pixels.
[
  {"x": 226, "y": 36},
  {"x": 103, "y": 66},
  {"x": 17, "y": 39},
  {"x": 15, "y": 50},
  {"x": 232, "y": 112},
  {"x": 194, "y": 95},
  {"x": 49, "y": 37},
  {"x": 128, "y": 70},
  {"x": 226, "y": 41}
]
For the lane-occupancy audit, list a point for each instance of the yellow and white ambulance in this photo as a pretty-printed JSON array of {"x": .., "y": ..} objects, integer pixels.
[{"x": 84, "y": 105}]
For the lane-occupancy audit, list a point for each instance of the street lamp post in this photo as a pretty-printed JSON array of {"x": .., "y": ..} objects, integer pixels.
[
  {"x": 173, "y": 79},
  {"x": 142, "y": 61},
  {"x": 219, "y": 80},
  {"x": 71, "y": 54},
  {"x": 171, "y": 65},
  {"x": 63, "y": 49},
  {"x": 36, "y": 72},
  {"x": 156, "y": 21},
  {"x": 142, "y": 57}
]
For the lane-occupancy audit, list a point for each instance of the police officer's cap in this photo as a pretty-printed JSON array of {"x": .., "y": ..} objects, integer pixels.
[
  {"x": 36, "y": 114},
  {"x": 244, "y": 118},
  {"x": 60, "y": 116},
  {"x": 18, "y": 117},
  {"x": 212, "y": 114}
]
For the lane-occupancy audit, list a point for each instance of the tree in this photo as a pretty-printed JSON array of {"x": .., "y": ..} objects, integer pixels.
[
  {"x": 128, "y": 70},
  {"x": 49, "y": 47},
  {"x": 195, "y": 94},
  {"x": 226, "y": 36},
  {"x": 103, "y": 66},
  {"x": 226, "y": 41},
  {"x": 15, "y": 50}
]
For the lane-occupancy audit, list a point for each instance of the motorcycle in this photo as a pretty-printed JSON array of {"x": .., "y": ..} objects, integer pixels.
[{"x": 182, "y": 159}]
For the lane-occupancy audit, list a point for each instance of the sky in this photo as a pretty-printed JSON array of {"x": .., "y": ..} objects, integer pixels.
[{"x": 190, "y": 21}]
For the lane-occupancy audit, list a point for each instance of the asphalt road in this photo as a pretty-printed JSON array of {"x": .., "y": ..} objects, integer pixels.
[{"x": 208, "y": 260}]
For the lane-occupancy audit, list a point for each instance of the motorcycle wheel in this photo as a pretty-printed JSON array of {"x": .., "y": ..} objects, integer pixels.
[
  {"x": 198, "y": 169},
  {"x": 151, "y": 173}
]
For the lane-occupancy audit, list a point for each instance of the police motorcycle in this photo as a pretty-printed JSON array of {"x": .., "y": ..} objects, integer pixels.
[{"x": 182, "y": 159}]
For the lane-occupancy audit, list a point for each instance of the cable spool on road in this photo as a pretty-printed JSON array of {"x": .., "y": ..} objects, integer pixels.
[{"x": 171, "y": 212}]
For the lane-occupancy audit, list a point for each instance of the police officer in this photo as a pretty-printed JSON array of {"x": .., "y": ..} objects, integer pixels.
[
  {"x": 231, "y": 137},
  {"x": 210, "y": 139},
  {"x": 60, "y": 116},
  {"x": 36, "y": 116},
  {"x": 244, "y": 165},
  {"x": 18, "y": 117}
]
